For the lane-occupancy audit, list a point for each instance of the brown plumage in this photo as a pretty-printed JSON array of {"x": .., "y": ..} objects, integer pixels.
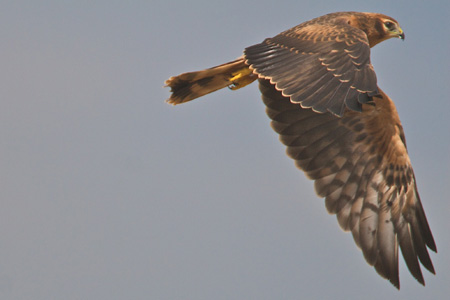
[{"x": 341, "y": 129}]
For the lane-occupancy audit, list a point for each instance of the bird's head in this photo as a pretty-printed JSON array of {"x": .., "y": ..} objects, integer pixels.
[
  {"x": 382, "y": 27},
  {"x": 391, "y": 28}
]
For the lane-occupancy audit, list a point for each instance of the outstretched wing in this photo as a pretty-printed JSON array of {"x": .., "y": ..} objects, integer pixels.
[
  {"x": 320, "y": 65},
  {"x": 361, "y": 167}
]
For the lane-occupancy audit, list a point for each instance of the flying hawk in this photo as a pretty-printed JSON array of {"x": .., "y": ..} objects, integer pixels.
[{"x": 341, "y": 129}]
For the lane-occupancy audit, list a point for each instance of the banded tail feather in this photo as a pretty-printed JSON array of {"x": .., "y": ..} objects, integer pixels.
[{"x": 189, "y": 86}]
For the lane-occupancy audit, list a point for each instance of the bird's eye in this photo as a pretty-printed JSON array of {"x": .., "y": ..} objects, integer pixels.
[{"x": 389, "y": 25}]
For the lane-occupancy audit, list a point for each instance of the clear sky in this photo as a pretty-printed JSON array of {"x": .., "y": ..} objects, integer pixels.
[{"x": 109, "y": 193}]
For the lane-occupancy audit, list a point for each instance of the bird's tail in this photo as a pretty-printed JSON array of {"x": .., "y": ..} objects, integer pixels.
[{"x": 188, "y": 86}]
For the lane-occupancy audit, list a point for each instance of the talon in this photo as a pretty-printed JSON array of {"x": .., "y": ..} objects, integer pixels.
[{"x": 233, "y": 86}]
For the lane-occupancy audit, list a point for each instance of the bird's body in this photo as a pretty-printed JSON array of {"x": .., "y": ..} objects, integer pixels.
[{"x": 341, "y": 129}]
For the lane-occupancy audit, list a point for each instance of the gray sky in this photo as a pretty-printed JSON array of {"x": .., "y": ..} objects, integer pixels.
[{"x": 109, "y": 193}]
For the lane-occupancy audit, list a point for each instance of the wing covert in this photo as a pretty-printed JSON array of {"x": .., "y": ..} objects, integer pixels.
[{"x": 321, "y": 66}]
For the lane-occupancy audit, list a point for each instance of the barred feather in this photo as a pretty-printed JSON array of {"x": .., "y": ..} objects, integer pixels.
[{"x": 361, "y": 167}]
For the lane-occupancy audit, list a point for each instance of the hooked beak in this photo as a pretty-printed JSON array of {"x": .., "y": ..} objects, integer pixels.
[{"x": 401, "y": 34}]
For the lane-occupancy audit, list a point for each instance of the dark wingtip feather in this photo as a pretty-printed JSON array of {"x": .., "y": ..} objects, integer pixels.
[{"x": 395, "y": 282}]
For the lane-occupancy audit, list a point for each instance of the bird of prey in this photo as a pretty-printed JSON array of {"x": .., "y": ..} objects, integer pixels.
[{"x": 341, "y": 129}]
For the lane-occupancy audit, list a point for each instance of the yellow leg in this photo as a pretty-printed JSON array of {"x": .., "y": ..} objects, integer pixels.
[{"x": 242, "y": 78}]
